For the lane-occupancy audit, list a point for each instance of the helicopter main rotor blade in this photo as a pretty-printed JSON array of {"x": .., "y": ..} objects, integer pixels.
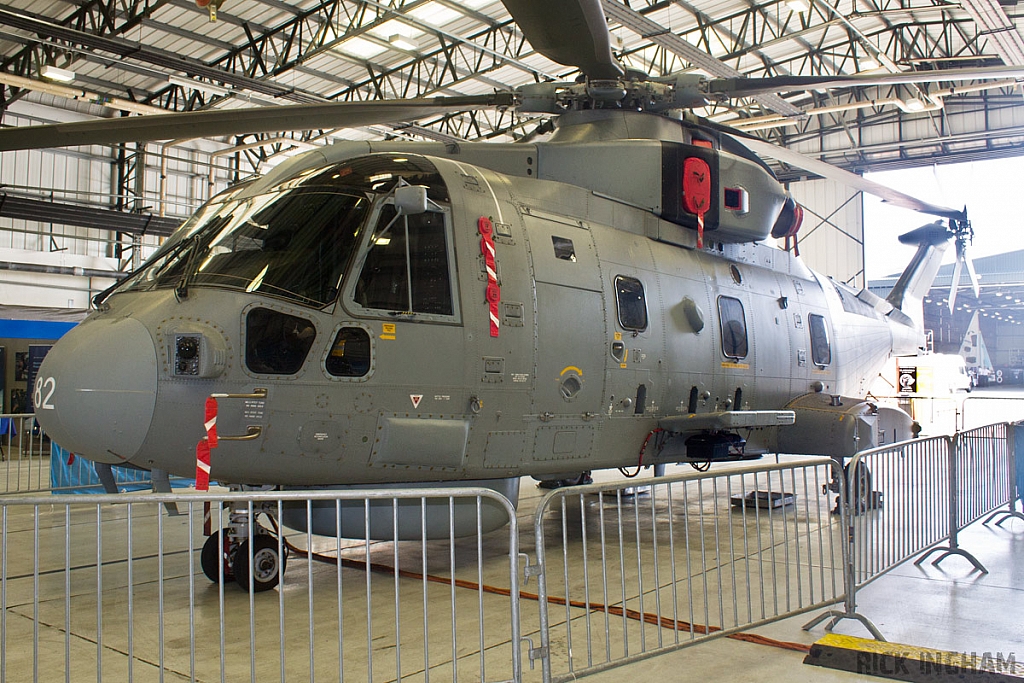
[
  {"x": 239, "y": 121},
  {"x": 853, "y": 180},
  {"x": 570, "y": 32},
  {"x": 751, "y": 86}
]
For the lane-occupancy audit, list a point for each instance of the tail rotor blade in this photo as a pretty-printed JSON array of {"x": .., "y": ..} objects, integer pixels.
[
  {"x": 973, "y": 274},
  {"x": 954, "y": 285}
]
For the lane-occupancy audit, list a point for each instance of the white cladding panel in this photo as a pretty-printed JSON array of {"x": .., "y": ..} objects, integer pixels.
[{"x": 832, "y": 237}]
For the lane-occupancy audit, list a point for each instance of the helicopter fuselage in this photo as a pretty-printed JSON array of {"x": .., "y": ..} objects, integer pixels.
[{"x": 385, "y": 344}]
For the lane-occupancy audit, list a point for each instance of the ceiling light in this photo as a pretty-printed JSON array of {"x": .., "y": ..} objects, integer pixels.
[
  {"x": 56, "y": 74},
  {"x": 914, "y": 104},
  {"x": 797, "y": 5},
  {"x": 402, "y": 43}
]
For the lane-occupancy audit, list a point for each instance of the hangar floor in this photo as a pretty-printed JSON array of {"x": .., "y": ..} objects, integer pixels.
[{"x": 947, "y": 607}]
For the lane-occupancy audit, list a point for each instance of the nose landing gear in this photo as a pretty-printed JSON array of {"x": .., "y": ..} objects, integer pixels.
[{"x": 232, "y": 554}]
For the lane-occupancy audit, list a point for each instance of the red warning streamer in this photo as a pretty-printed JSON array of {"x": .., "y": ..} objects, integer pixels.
[
  {"x": 493, "y": 293},
  {"x": 205, "y": 445}
]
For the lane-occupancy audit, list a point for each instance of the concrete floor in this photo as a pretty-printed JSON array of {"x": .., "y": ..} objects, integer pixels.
[{"x": 50, "y": 600}]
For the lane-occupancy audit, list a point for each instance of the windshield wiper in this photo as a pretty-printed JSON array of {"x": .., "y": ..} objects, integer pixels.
[{"x": 189, "y": 252}]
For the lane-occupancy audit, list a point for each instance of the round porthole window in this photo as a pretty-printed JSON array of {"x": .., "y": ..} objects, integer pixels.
[{"x": 736, "y": 275}]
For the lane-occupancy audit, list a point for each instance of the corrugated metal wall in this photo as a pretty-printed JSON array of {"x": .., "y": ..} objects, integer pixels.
[
  {"x": 90, "y": 176},
  {"x": 832, "y": 237}
]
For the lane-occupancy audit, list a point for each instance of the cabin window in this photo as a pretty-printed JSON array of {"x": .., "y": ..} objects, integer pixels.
[
  {"x": 734, "y": 327},
  {"x": 406, "y": 268},
  {"x": 350, "y": 353},
  {"x": 563, "y": 248},
  {"x": 632, "y": 304},
  {"x": 276, "y": 343},
  {"x": 821, "y": 350}
]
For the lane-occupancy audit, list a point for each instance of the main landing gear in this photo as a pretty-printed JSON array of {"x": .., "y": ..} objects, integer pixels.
[
  {"x": 859, "y": 489},
  {"x": 234, "y": 553}
]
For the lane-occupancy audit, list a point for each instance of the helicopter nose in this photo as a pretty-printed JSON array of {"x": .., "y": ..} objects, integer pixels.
[{"x": 96, "y": 389}]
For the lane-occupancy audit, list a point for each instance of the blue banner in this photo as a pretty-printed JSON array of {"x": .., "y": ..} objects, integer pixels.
[{"x": 70, "y": 473}]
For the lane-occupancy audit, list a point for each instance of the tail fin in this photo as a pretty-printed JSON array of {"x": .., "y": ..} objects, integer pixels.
[{"x": 909, "y": 291}]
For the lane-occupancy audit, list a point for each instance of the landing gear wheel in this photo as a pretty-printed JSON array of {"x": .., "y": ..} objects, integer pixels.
[
  {"x": 267, "y": 564},
  {"x": 860, "y": 493},
  {"x": 208, "y": 557}
]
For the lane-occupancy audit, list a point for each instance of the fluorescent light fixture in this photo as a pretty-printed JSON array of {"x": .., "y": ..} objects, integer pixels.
[
  {"x": 208, "y": 88},
  {"x": 57, "y": 74},
  {"x": 398, "y": 41},
  {"x": 798, "y": 5}
]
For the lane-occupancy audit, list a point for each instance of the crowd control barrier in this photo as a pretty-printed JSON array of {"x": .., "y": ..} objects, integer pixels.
[
  {"x": 628, "y": 570},
  {"x": 24, "y": 455},
  {"x": 912, "y": 499},
  {"x": 111, "y": 583},
  {"x": 624, "y": 570}
]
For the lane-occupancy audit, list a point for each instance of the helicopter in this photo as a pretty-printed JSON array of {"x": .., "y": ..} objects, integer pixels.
[{"x": 399, "y": 314}]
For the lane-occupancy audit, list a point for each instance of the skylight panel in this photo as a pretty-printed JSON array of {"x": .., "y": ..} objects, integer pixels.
[
  {"x": 394, "y": 27},
  {"x": 360, "y": 47},
  {"x": 434, "y": 14}
]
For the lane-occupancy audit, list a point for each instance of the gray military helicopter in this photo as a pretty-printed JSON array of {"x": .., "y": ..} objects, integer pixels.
[{"x": 400, "y": 314}]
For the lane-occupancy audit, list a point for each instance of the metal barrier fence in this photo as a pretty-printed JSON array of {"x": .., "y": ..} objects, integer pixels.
[
  {"x": 677, "y": 559},
  {"x": 899, "y": 501},
  {"x": 913, "y": 498},
  {"x": 114, "y": 583},
  {"x": 986, "y": 409},
  {"x": 24, "y": 454},
  {"x": 626, "y": 569}
]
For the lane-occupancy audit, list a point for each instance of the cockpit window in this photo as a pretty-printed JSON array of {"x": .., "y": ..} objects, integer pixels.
[
  {"x": 291, "y": 241},
  {"x": 406, "y": 266},
  {"x": 276, "y": 343}
]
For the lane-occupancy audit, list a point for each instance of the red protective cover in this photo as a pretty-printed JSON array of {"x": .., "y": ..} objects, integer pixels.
[{"x": 696, "y": 186}]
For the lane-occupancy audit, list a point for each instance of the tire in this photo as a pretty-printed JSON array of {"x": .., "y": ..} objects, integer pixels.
[
  {"x": 859, "y": 494},
  {"x": 208, "y": 557},
  {"x": 268, "y": 564}
]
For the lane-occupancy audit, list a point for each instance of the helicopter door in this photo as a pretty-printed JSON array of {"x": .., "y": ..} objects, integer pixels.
[
  {"x": 405, "y": 280},
  {"x": 570, "y": 312}
]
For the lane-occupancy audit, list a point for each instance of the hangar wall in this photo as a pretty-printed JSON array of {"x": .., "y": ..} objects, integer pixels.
[
  {"x": 832, "y": 237},
  {"x": 157, "y": 179},
  {"x": 1007, "y": 345}
]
